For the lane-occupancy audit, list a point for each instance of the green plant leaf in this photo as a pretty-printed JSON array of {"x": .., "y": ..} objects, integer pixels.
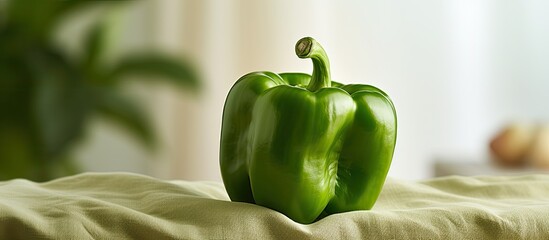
[
  {"x": 127, "y": 114},
  {"x": 94, "y": 47},
  {"x": 166, "y": 68},
  {"x": 62, "y": 103},
  {"x": 71, "y": 5},
  {"x": 16, "y": 152},
  {"x": 2, "y": 14},
  {"x": 39, "y": 17},
  {"x": 34, "y": 17}
]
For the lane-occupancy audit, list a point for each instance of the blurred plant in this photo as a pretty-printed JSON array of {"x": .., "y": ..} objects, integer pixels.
[{"x": 47, "y": 97}]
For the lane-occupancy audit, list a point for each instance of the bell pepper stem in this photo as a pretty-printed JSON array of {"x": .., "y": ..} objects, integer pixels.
[{"x": 307, "y": 47}]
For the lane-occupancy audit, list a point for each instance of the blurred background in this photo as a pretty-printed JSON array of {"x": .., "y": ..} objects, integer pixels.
[{"x": 139, "y": 86}]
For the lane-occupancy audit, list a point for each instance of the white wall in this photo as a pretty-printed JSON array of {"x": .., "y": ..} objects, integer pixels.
[{"x": 456, "y": 70}]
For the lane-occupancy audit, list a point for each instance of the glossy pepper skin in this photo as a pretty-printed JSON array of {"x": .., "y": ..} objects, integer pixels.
[{"x": 305, "y": 145}]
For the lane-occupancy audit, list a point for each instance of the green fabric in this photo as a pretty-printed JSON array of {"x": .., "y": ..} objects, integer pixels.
[{"x": 129, "y": 206}]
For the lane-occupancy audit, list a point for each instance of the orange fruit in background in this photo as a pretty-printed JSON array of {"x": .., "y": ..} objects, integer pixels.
[
  {"x": 538, "y": 155},
  {"x": 510, "y": 146},
  {"x": 522, "y": 144}
]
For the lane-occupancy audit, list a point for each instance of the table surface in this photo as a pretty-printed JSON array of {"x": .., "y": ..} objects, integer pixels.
[{"x": 447, "y": 167}]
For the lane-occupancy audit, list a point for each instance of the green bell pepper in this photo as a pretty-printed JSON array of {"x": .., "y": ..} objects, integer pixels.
[{"x": 304, "y": 145}]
